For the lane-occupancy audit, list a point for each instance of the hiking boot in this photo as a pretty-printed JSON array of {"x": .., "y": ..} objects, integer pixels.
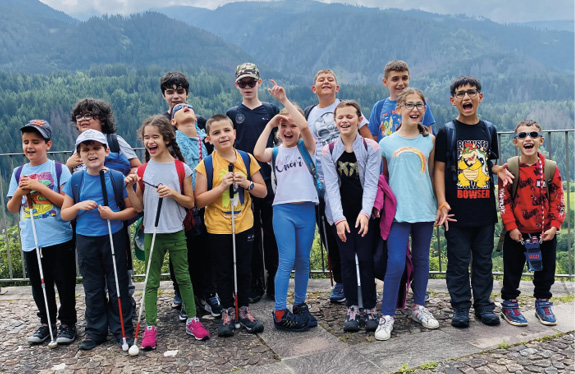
[
  {"x": 352, "y": 319},
  {"x": 177, "y": 302},
  {"x": 88, "y": 344},
  {"x": 291, "y": 322},
  {"x": 212, "y": 305},
  {"x": 41, "y": 335},
  {"x": 422, "y": 315},
  {"x": 544, "y": 313},
  {"x": 487, "y": 317},
  {"x": 247, "y": 320},
  {"x": 337, "y": 295},
  {"x": 66, "y": 334},
  {"x": 384, "y": 328},
  {"x": 511, "y": 313},
  {"x": 195, "y": 328},
  {"x": 370, "y": 319},
  {"x": 226, "y": 327},
  {"x": 460, "y": 317},
  {"x": 182, "y": 317},
  {"x": 303, "y": 310},
  {"x": 149, "y": 339}
]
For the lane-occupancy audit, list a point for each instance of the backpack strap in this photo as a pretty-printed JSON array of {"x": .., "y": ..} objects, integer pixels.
[
  {"x": 113, "y": 144},
  {"x": 209, "y": 165},
  {"x": 140, "y": 172},
  {"x": 308, "y": 110},
  {"x": 247, "y": 162},
  {"x": 77, "y": 180},
  {"x": 275, "y": 151},
  {"x": 58, "y": 166},
  {"x": 181, "y": 174},
  {"x": 306, "y": 157},
  {"x": 269, "y": 109},
  {"x": 549, "y": 172},
  {"x": 117, "y": 179}
]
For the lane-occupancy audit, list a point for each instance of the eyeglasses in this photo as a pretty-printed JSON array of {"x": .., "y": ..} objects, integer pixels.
[
  {"x": 532, "y": 134},
  {"x": 410, "y": 106},
  {"x": 470, "y": 93},
  {"x": 87, "y": 116},
  {"x": 250, "y": 84}
]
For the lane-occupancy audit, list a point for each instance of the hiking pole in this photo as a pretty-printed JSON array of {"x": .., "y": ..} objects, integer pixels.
[
  {"x": 134, "y": 350},
  {"x": 237, "y": 309},
  {"x": 105, "y": 193},
  {"x": 359, "y": 293},
  {"x": 326, "y": 249},
  {"x": 53, "y": 343}
]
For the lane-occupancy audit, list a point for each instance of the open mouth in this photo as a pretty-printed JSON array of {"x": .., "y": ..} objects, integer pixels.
[
  {"x": 95, "y": 158},
  {"x": 468, "y": 106},
  {"x": 528, "y": 146},
  {"x": 152, "y": 149}
]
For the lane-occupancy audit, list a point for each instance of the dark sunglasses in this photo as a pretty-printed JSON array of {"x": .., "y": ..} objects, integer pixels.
[
  {"x": 532, "y": 134},
  {"x": 250, "y": 84}
]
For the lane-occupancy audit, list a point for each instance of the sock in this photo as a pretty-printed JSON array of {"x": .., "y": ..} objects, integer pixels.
[{"x": 279, "y": 314}]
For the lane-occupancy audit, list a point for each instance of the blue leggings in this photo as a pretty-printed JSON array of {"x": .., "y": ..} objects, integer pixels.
[
  {"x": 294, "y": 228},
  {"x": 397, "y": 243}
]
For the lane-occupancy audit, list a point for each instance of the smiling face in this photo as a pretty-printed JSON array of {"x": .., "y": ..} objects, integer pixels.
[
  {"x": 347, "y": 121},
  {"x": 411, "y": 117},
  {"x": 154, "y": 141},
  {"x": 289, "y": 133},
  {"x": 35, "y": 147},
  {"x": 467, "y": 106},
  {"x": 325, "y": 85},
  {"x": 175, "y": 95},
  {"x": 93, "y": 155},
  {"x": 184, "y": 115},
  {"x": 396, "y": 82},
  {"x": 222, "y": 135},
  {"x": 528, "y": 146},
  {"x": 88, "y": 120}
]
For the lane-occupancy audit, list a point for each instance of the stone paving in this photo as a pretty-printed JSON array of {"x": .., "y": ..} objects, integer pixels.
[{"x": 479, "y": 349}]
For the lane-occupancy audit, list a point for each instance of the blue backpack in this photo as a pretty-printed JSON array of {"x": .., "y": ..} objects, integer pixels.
[
  {"x": 115, "y": 160},
  {"x": 209, "y": 164}
]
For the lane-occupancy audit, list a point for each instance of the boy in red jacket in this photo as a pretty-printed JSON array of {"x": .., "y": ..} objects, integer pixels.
[{"x": 531, "y": 217}]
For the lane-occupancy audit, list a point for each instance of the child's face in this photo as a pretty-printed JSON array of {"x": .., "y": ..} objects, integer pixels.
[
  {"x": 184, "y": 115},
  {"x": 347, "y": 120},
  {"x": 413, "y": 116},
  {"x": 35, "y": 147},
  {"x": 93, "y": 155},
  {"x": 325, "y": 85},
  {"x": 154, "y": 141},
  {"x": 175, "y": 95},
  {"x": 466, "y": 104},
  {"x": 396, "y": 82},
  {"x": 248, "y": 87},
  {"x": 86, "y": 121},
  {"x": 222, "y": 135},
  {"x": 528, "y": 145},
  {"x": 289, "y": 133}
]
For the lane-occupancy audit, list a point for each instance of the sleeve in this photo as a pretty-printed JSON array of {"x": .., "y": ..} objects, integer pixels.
[
  {"x": 506, "y": 206},
  {"x": 373, "y": 120},
  {"x": 13, "y": 185},
  {"x": 556, "y": 201},
  {"x": 68, "y": 190},
  {"x": 125, "y": 148},
  {"x": 364, "y": 121},
  {"x": 332, "y": 195},
  {"x": 428, "y": 118},
  {"x": 201, "y": 168},
  {"x": 494, "y": 145},
  {"x": 187, "y": 171},
  {"x": 371, "y": 179},
  {"x": 441, "y": 145},
  {"x": 254, "y": 166}
]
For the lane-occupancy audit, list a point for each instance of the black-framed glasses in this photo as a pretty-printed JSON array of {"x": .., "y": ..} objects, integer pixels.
[
  {"x": 87, "y": 116},
  {"x": 470, "y": 93},
  {"x": 410, "y": 106},
  {"x": 532, "y": 134},
  {"x": 250, "y": 84}
]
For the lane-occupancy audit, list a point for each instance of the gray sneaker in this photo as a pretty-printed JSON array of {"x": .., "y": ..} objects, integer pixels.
[
  {"x": 41, "y": 335},
  {"x": 66, "y": 334}
]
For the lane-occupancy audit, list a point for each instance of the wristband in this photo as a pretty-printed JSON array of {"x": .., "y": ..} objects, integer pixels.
[{"x": 443, "y": 205}]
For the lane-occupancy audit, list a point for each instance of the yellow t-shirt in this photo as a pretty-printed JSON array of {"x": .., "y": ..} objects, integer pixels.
[{"x": 218, "y": 217}]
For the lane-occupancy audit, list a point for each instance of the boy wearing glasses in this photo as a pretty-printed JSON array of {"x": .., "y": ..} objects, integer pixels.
[
  {"x": 465, "y": 148},
  {"x": 532, "y": 211},
  {"x": 384, "y": 120},
  {"x": 249, "y": 119}
]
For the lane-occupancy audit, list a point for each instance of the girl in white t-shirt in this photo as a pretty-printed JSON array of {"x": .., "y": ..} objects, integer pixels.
[{"x": 293, "y": 209}]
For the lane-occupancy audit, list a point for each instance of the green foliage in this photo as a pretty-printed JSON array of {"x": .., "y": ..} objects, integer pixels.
[{"x": 504, "y": 345}]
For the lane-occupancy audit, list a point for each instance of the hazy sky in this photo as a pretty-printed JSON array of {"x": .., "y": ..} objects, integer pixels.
[{"x": 503, "y": 11}]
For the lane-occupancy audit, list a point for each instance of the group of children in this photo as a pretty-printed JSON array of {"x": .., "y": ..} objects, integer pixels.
[{"x": 327, "y": 168}]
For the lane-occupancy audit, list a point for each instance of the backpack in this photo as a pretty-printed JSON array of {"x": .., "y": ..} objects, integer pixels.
[
  {"x": 308, "y": 110},
  {"x": 209, "y": 165},
  {"x": 58, "y": 166},
  {"x": 115, "y": 160},
  {"x": 117, "y": 179},
  {"x": 452, "y": 150},
  {"x": 319, "y": 185}
]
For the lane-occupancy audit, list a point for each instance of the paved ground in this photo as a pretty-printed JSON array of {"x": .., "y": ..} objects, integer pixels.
[{"x": 478, "y": 349}]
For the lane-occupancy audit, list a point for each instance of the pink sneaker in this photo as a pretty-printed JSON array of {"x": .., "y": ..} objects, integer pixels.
[
  {"x": 195, "y": 328},
  {"x": 149, "y": 339}
]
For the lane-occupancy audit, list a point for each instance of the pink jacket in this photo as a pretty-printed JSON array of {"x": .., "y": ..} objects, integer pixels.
[{"x": 386, "y": 204}]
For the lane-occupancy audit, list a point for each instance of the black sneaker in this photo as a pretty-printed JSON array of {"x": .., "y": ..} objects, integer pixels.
[
  {"x": 460, "y": 317},
  {"x": 370, "y": 319},
  {"x": 291, "y": 322},
  {"x": 227, "y": 323},
  {"x": 41, "y": 335},
  {"x": 352, "y": 319},
  {"x": 212, "y": 305},
  {"x": 182, "y": 317},
  {"x": 88, "y": 344},
  {"x": 303, "y": 310},
  {"x": 487, "y": 316},
  {"x": 247, "y": 320},
  {"x": 66, "y": 334}
]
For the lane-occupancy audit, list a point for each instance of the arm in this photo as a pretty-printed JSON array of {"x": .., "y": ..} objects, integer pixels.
[
  {"x": 70, "y": 210},
  {"x": 443, "y": 216},
  {"x": 262, "y": 153},
  {"x": 204, "y": 196},
  {"x": 431, "y": 160},
  {"x": 186, "y": 199},
  {"x": 135, "y": 197},
  {"x": 260, "y": 190},
  {"x": 73, "y": 161},
  {"x": 506, "y": 209},
  {"x": 134, "y": 163},
  {"x": 370, "y": 184},
  {"x": 556, "y": 206},
  {"x": 373, "y": 124},
  {"x": 366, "y": 133},
  {"x": 30, "y": 184},
  {"x": 123, "y": 215}
]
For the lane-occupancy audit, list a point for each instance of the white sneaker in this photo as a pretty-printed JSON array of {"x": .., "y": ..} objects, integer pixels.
[
  {"x": 385, "y": 327},
  {"x": 422, "y": 315}
]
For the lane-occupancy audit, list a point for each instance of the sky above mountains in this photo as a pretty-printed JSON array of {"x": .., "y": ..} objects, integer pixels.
[{"x": 508, "y": 11}]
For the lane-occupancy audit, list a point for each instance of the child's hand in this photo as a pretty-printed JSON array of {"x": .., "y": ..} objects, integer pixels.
[
  {"x": 29, "y": 184},
  {"x": 241, "y": 180},
  {"x": 549, "y": 234},
  {"x": 363, "y": 223},
  {"x": 87, "y": 205},
  {"x": 342, "y": 227},
  {"x": 505, "y": 175},
  {"x": 277, "y": 119},
  {"x": 165, "y": 191},
  {"x": 444, "y": 217},
  {"x": 227, "y": 180},
  {"x": 277, "y": 92},
  {"x": 105, "y": 212},
  {"x": 375, "y": 212},
  {"x": 131, "y": 179},
  {"x": 515, "y": 234},
  {"x": 74, "y": 161}
]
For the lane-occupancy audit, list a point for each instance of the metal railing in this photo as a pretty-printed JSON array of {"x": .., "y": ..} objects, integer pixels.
[{"x": 436, "y": 246}]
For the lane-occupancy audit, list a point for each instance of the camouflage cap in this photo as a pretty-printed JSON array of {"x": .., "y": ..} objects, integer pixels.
[{"x": 247, "y": 69}]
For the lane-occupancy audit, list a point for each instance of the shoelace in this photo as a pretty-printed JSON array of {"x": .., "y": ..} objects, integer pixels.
[
  {"x": 387, "y": 322},
  {"x": 245, "y": 313},
  {"x": 424, "y": 312}
]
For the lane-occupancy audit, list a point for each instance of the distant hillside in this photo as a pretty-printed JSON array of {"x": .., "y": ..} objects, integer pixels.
[{"x": 559, "y": 25}]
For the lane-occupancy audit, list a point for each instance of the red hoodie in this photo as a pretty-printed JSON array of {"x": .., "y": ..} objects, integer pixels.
[{"x": 525, "y": 211}]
